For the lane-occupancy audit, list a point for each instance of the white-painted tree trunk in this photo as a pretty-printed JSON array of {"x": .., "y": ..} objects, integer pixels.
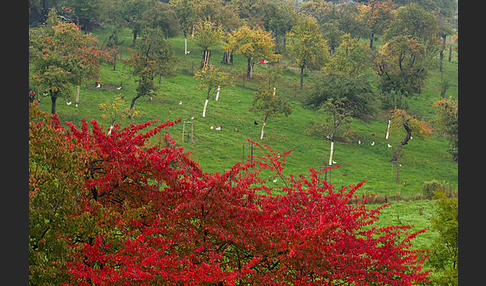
[
  {"x": 205, "y": 106},
  {"x": 387, "y": 129},
  {"x": 111, "y": 128},
  {"x": 331, "y": 153},
  {"x": 77, "y": 94},
  {"x": 263, "y": 130},
  {"x": 185, "y": 45},
  {"x": 217, "y": 94}
]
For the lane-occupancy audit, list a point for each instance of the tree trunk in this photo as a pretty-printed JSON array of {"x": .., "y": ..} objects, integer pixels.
[
  {"x": 225, "y": 59},
  {"x": 263, "y": 130},
  {"x": 205, "y": 106},
  {"x": 217, "y": 94},
  {"x": 249, "y": 68},
  {"x": 403, "y": 143},
  {"x": 185, "y": 43},
  {"x": 134, "y": 36},
  {"x": 441, "y": 59},
  {"x": 77, "y": 93},
  {"x": 206, "y": 102},
  {"x": 302, "y": 76},
  {"x": 331, "y": 153},
  {"x": 205, "y": 58},
  {"x": 284, "y": 43},
  {"x": 450, "y": 53},
  {"x": 398, "y": 172},
  {"x": 263, "y": 127},
  {"x": 133, "y": 103},
  {"x": 53, "y": 102},
  {"x": 372, "y": 38}
]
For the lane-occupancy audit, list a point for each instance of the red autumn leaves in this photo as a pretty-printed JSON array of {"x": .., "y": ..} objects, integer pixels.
[{"x": 157, "y": 218}]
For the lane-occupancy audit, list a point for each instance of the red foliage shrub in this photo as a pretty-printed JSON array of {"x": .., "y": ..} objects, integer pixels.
[{"x": 161, "y": 220}]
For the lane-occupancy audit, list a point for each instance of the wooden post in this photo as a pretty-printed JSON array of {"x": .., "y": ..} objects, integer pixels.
[
  {"x": 250, "y": 146},
  {"x": 189, "y": 135},
  {"x": 243, "y": 157},
  {"x": 398, "y": 171},
  {"x": 192, "y": 131},
  {"x": 183, "y": 127}
]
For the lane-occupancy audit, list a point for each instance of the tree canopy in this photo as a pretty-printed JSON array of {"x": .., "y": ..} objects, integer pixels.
[{"x": 62, "y": 57}]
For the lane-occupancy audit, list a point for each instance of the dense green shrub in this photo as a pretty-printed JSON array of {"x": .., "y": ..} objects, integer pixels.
[{"x": 432, "y": 187}]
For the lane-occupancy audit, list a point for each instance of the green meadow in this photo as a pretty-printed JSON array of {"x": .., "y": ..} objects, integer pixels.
[{"x": 216, "y": 150}]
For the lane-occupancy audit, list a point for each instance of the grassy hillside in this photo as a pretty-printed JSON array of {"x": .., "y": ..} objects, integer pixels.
[{"x": 423, "y": 160}]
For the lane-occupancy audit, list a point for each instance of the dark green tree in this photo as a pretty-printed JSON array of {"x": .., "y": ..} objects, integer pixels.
[
  {"x": 356, "y": 89},
  {"x": 186, "y": 14},
  {"x": 414, "y": 22},
  {"x": 448, "y": 123},
  {"x": 132, "y": 11},
  {"x": 152, "y": 56},
  {"x": 307, "y": 47},
  {"x": 85, "y": 12},
  {"x": 402, "y": 65},
  {"x": 279, "y": 18},
  {"x": 163, "y": 16},
  {"x": 444, "y": 252}
]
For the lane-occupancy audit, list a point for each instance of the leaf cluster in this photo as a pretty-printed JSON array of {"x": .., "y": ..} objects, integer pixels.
[
  {"x": 253, "y": 43},
  {"x": 445, "y": 250},
  {"x": 266, "y": 101}
]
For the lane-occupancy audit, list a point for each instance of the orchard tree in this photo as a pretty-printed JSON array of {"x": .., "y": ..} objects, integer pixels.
[
  {"x": 161, "y": 16},
  {"x": 152, "y": 56},
  {"x": 419, "y": 128},
  {"x": 63, "y": 56},
  {"x": 335, "y": 117},
  {"x": 207, "y": 35},
  {"x": 186, "y": 13},
  {"x": 132, "y": 13},
  {"x": 351, "y": 59},
  {"x": 114, "y": 110},
  {"x": 279, "y": 18},
  {"x": 448, "y": 123},
  {"x": 355, "y": 90},
  {"x": 402, "y": 66},
  {"x": 444, "y": 252},
  {"x": 325, "y": 14},
  {"x": 349, "y": 20},
  {"x": 85, "y": 13},
  {"x": 307, "y": 46},
  {"x": 410, "y": 48},
  {"x": 378, "y": 15},
  {"x": 210, "y": 79},
  {"x": 254, "y": 44},
  {"x": 416, "y": 23},
  {"x": 266, "y": 101}
]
